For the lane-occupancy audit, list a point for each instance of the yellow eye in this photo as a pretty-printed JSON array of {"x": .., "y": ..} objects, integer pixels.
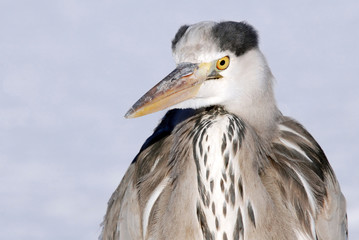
[{"x": 222, "y": 63}]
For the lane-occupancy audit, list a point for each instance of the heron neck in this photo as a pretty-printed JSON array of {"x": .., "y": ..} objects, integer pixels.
[{"x": 262, "y": 115}]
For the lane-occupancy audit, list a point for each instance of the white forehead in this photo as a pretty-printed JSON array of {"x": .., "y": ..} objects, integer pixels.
[{"x": 197, "y": 45}]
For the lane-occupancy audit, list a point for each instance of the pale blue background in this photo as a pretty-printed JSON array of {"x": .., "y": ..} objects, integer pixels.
[{"x": 69, "y": 70}]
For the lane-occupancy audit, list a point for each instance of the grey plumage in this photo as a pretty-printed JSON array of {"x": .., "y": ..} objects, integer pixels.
[{"x": 221, "y": 173}]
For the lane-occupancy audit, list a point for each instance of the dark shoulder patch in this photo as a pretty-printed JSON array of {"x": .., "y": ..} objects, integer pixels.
[
  {"x": 169, "y": 122},
  {"x": 181, "y": 31},
  {"x": 237, "y": 37}
]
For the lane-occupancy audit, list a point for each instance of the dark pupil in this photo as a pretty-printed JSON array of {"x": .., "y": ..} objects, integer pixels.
[{"x": 222, "y": 62}]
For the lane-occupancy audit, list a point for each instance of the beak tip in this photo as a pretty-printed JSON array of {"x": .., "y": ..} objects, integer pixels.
[{"x": 129, "y": 114}]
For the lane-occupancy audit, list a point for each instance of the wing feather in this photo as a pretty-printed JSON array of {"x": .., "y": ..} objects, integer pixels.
[{"x": 122, "y": 219}]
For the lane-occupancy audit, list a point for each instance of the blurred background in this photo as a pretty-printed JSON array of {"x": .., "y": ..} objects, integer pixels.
[{"x": 69, "y": 70}]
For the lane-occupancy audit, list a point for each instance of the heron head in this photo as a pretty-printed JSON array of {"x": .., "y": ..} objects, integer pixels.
[{"x": 217, "y": 64}]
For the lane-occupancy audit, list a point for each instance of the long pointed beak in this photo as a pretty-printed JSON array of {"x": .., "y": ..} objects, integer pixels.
[{"x": 181, "y": 84}]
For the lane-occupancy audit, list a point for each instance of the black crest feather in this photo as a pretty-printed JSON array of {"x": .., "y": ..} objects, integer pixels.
[
  {"x": 181, "y": 31},
  {"x": 237, "y": 37}
]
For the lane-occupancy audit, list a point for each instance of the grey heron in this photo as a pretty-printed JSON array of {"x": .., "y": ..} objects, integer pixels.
[{"x": 224, "y": 163}]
